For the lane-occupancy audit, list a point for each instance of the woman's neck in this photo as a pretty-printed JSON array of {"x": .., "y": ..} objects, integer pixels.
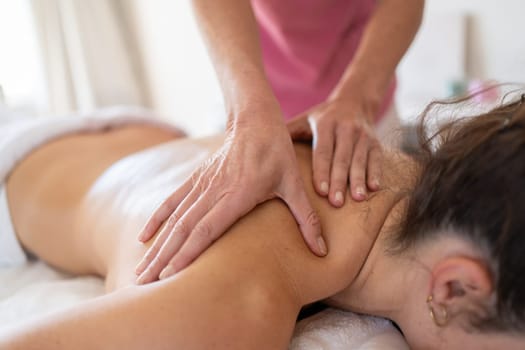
[
  {"x": 380, "y": 287},
  {"x": 351, "y": 231},
  {"x": 359, "y": 235}
]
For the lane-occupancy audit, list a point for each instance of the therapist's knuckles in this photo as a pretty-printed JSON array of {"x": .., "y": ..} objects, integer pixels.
[
  {"x": 171, "y": 221},
  {"x": 203, "y": 236},
  {"x": 312, "y": 220}
]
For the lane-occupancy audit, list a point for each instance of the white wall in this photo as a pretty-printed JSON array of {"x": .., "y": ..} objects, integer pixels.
[
  {"x": 21, "y": 79},
  {"x": 496, "y": 30},
  {"x": 491, "y": 49},
  {"x": 184, "y": 87},
  {"x": 179, "y": 74}
]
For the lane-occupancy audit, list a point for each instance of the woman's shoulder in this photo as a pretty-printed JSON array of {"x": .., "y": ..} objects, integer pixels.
[{"x": 399, "y": 170}]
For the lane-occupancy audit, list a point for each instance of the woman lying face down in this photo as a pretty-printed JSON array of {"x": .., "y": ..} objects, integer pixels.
[
  {"x": 437, "y": 250},
  {"x": 463, "y": 224}
]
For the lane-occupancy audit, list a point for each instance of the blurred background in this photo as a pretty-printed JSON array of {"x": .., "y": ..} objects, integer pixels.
[{"x": 59, "y": 56}]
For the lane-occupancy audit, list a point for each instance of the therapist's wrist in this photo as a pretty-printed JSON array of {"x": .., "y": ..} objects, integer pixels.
[
  {"x": 365, "y": 92},
  {"x": 256, "y": 114},
  {"x": 244, "y": 86},
  {"x": 253, "y": 105}
]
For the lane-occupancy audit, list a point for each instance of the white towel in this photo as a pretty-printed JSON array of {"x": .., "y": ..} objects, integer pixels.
[
  {"x": 333, "y": 329},
  {"x": 11, "y": 252},
  {"x": 19, "y": 135}
]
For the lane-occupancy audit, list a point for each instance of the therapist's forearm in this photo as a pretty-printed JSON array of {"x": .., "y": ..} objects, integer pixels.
[
  {"x": 230, "y": 32},
  {"x": 387, "y": 37}
]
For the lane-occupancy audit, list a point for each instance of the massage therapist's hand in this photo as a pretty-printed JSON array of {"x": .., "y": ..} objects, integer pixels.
[
  {"x": 255, "y": 163},
  {"x": 345, "y": 149}
]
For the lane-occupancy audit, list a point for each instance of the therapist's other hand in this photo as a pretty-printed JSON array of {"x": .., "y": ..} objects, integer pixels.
[
  {"x": 255, "y": 163},
  {"x": 345, "y": 149}
]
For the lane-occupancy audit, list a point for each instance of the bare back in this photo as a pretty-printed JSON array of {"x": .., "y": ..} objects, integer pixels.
[
  {"x": 93, "y": 194},
  {"x": 90, "y": 186}
]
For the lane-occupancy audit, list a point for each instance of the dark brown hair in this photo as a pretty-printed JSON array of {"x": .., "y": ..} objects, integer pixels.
[{"x": 472, "y": 181}]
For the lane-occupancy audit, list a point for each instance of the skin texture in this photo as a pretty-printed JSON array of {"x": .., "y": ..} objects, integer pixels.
[
  {"x": 346, "y": 147},
  {"x": 80, "y": 214},
  {"x": 227, "y": 186}
]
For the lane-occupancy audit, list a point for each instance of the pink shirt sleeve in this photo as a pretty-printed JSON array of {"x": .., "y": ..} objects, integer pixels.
[{"x": 308, "y": 44}]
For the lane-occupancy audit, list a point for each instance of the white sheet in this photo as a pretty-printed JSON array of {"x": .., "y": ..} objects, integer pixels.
[{"x": 19, "y": 135}]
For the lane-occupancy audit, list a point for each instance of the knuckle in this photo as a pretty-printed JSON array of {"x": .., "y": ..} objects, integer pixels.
[
  {"x": 339, "y": 177},
  {"x": 343, "y": 165},
  {"x": 196, "y": 176},
  {"x": 374, "y": 142},
  {"x": 376, "y": 148},
  {"x": 182, "y": 228},
  {"x": 323, "y": 154},
  {"x": 201, "y": 185},
  {"x": 235, "y": 192},
  {"x": 339, "y": 185},
  {"x": 150, "y": 255},
  {"x": 342, "y": 158},
  {"x": 324, "y": 123},
  {"x": 203, "y": 232},
  {"x": 358, "y": 180},
  {"x": 159, "y": 261},
  {"x": 172, "y": 220},
  {"x": 364, "y": 134},
  {"x": 183, "y": 259},
  {"x": 345, "y": 126},
  {"x": 296, "y": 182},
  {"x": 359, "y": 158},
  {"x": 312, "y": 219}
]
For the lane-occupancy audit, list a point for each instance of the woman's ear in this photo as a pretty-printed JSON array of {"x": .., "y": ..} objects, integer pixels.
[{"x": 461, "y": 285}]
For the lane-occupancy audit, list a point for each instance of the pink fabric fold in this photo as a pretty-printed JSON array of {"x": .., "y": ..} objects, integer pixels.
[{"x": 308, "y": 44}]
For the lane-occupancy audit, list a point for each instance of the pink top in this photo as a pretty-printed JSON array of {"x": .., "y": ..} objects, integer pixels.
[{"x": 308, "y": 44}]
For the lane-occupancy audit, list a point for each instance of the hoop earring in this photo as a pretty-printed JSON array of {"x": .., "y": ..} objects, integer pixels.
[{"x": 444, "y": 314}]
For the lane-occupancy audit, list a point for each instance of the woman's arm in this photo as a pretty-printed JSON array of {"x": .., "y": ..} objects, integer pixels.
[
  {"x": 230, "y": 31},
  {"x": 236, "y": 296},
  {"x": 386, "y": 39},
  {"x": 240, "y": 294},
  {"x": 347, "y": 118}
]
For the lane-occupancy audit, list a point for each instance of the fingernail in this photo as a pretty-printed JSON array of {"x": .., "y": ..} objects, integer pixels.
[
  {"x": 377, "y": 184},
  {"x": 361, "y": 193},
  {"x": 339, "y": 197},
  {"x": 324, "y": 187},
  {"x": 167, "y": 272},
  {"x": 322, "y": 245}
]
